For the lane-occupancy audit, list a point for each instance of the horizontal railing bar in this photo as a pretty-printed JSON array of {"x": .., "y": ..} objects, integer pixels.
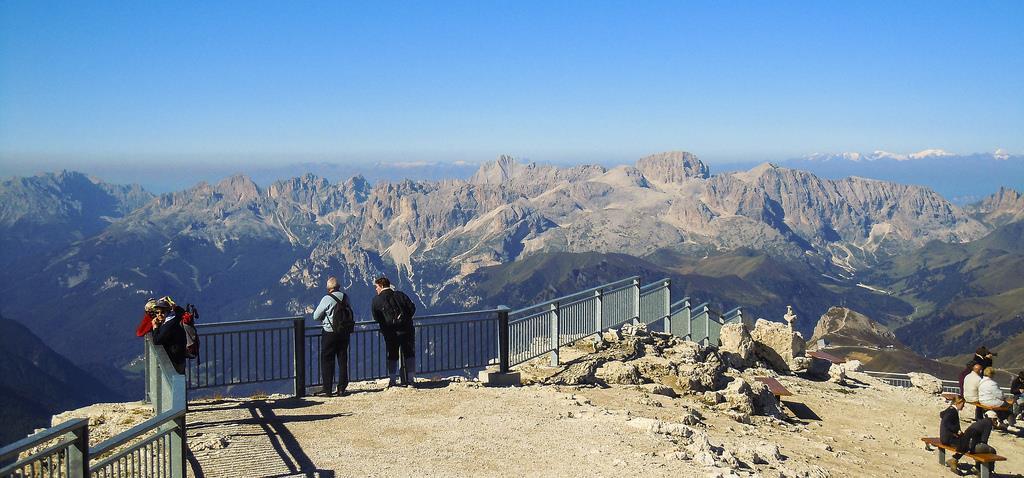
[
  {"x": 44, "y": 436},
  {"x": 38, "y": 456},
  {"x": 588, "y": 291},
  {"x": 246, "y": 322},
  {"x": 449, "y": 322},
  {"x": 242, "y": 331},
  {"x": 126, "y": 451},
  {"x": 529, "y": 317},
  {"x": 457, "y": 314},
  {"x": 133, "y": 432},
  {"x": 679, "y": 303},
  {"x": 656, "y": 285}
]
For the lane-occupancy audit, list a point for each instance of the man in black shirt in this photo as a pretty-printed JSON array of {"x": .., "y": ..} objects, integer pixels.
[
  {"x": 393, "y": 311},
  {"x": 974, "y": 440}
]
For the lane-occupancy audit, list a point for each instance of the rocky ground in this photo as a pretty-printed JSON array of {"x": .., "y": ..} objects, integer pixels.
[{"x": 631, "y": 404}]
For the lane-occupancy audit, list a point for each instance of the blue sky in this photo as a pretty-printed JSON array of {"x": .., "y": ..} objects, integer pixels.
[{"x": 193, "y": 83}]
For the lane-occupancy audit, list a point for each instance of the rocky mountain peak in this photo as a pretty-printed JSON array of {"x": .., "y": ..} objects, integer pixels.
[
  {"x": 843, "y": 326},
  {"x": 1003, "y": 207},
  {"x": 498, "y": 171},
  {"x": 239, "y": 188},
  {"x": 672, "y": 167}
]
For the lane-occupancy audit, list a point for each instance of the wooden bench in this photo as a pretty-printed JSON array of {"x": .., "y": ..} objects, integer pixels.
[
  {"x": 986, "y": 407},
  {"x": 984, "y": 460},
  {"x": 826, "y": 356},
  {"x": 775, "y": 387}
]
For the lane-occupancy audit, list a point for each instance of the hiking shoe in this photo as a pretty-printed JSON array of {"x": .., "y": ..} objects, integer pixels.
[
  {"x": 1012, "y": 429},
  {"x": 323, "y": 394},
  {"x": 952, "y": 464}
]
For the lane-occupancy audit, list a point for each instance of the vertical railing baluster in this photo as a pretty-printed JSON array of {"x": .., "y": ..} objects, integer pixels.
[
  {"x": 667, "y": 305},
  {"x": 299, "y": 356},
  {"x": 554, "y": 333}
]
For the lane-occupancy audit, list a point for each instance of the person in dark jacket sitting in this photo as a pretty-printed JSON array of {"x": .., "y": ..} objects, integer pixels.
[
  {"x": 975, "y": 440},
  {"x": 949, "y": 428},
  {"x": 1017, "y": 390},
  {"x": 167, "y": 331}
]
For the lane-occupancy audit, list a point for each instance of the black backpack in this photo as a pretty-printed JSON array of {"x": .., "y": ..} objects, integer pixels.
[
  {"x": 398, "y": 309},
  {"x": 344, "y": 319}
]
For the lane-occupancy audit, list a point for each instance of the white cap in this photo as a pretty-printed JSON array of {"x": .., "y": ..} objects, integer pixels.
[{"x": 991, "y": 414}]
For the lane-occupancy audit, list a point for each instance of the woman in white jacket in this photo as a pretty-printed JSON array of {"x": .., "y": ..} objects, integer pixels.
[{"x": 990, "y": 395}]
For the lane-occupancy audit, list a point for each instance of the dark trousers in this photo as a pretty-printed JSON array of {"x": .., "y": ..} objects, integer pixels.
[
  {"x": 404, "y": 342},
  {"x": 334, "y": 345}
]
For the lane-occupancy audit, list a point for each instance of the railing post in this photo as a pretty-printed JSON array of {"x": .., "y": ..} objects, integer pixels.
[
  {"x": 707, "y": 325},
  {"x": 503, "y": 345},
  {"x": 636, "y": 303},
  {"x": 668, "y": 306},
  {"x": 153, "y": 376},
  {"x": 554, "y": 334},
  {"x": 147, "y": 343},
  {"x": 598, "y": 318},
  {"x": 78, "y": 453},
  {"x": 299, "y": 355},
  {"x": 178, "y": 438}
]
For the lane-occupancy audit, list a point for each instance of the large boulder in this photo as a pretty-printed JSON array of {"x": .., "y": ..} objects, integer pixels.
[
  {"x": 777, "y": 344},
  {"x": 926, "y": 382},
  {"x": 737, "y": 345},
  {"x": 699, "y": 377},
  {"x": 739, "y": 396},
  {"x": 619, "y": 372},
  {"x": 751, "y": 398}
]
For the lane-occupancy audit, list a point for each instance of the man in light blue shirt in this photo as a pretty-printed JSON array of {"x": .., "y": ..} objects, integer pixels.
[{"x": 338, "y": 322}]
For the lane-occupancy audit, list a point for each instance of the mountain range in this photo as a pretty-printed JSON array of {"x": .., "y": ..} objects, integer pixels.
[
  {"x": 961, "y": 178},
  {"x": 513, "y": 233}
]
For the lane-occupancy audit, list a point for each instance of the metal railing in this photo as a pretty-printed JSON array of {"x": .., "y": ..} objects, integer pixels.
[
  {"x": 153, "y": 448},
  {"x": 287, "y": 349},
  {"x": 542, "y": 328},
  {"x": 655, "y": 302},
  {"x": 903, "y": 380}
]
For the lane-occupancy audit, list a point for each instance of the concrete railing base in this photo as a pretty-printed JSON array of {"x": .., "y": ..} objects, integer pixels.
[{"x": 498, "y": 379}]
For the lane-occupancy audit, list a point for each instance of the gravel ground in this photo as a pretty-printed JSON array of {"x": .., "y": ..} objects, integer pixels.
[{"x": 462, "y": 429}]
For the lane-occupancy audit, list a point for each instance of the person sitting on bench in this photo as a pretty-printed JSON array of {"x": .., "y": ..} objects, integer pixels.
[
  {"x": 974, "y": 440},
  {"x": 1017, "y": 390},
  {"x": 971, "y": 382},
  {"x": 990, "y": 395},
  {"x": 949, "y": 423}
]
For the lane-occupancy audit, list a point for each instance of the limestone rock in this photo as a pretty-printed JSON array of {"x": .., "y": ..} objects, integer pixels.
[
  {"x": 818, "y": 368},
  {"x": 713, "y": 398},
  {"x": 739, "y": 396},
  {"x": 659, "y": 389},
  {"x": 702, "y": 376},
  {"x": 776, "y": 344},
  {"x": 853, "y": 366},
  {"x": 737, "y": 345},
  {"x": 837, "y": 374},
  {"x": 926, "y": 382},
  {"x": 619, "y": 372}
]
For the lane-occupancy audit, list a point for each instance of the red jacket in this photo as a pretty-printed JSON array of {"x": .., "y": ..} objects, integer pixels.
[{"x": 146, "y": 325}]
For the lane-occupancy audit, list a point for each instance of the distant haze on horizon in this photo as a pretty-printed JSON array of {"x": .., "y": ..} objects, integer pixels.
[{"x": 236, "y": 87}]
